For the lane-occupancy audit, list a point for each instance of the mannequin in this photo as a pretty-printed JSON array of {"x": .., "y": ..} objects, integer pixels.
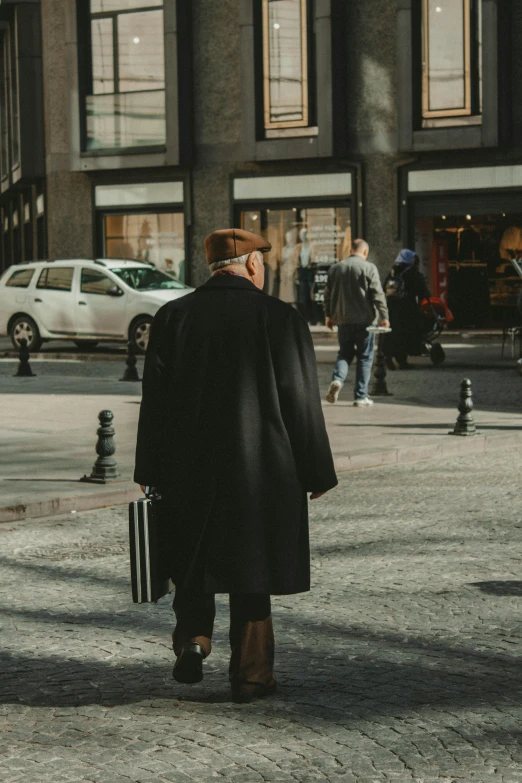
[
  {"x": 305, "y": 275},
  {"x": 287, "y": 269}
]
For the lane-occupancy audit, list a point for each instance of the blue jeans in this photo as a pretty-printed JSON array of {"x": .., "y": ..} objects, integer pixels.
[{"x": 355, "y": 341}]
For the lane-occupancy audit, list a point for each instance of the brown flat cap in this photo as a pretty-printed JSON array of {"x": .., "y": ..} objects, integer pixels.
[{"x": 232, "y": 243}]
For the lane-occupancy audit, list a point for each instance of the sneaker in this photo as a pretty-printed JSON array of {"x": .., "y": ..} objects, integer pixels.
[
  {"x": 333, "y": 391},
  {"x": 365, "y": 402}
]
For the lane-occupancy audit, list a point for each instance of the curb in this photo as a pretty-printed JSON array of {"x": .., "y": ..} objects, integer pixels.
[
  {"x": 78, "y": 357},
  {"x": 122, "y": 492},
  {"x": 96, "y": 497}
]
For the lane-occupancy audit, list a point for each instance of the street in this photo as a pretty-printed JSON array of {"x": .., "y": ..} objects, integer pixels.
[{"x": 400, "y": 665}]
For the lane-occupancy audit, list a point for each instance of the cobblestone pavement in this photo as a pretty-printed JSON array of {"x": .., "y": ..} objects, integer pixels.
[{"x": 400, "y": 665}]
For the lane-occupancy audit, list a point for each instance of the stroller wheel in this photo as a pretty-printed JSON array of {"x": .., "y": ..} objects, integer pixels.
[{"x": 437, "y": 354}]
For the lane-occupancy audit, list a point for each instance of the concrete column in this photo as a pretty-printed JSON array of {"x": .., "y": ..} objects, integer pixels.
[
  {"x": 371, "y": 48},
  {"x": 69, "y": 201},
  {"x": 217, "y": 120}
]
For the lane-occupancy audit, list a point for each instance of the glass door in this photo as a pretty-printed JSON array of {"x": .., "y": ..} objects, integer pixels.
[{"x": 305, "y": 241}]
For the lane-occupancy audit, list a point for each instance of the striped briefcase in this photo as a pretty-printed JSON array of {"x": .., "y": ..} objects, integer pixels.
[{"x": 148, "y": 582}]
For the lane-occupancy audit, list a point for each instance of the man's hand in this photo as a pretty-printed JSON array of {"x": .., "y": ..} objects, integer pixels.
[
  {"x": 330, "y": 323},
  {"x": 316, "y": 495},
  {"x": 143, "y": 488},
  {"x": 385, "y": 323}
]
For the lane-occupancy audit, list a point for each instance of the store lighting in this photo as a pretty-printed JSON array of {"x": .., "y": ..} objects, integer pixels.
[
  {"x": 136, "y": 39},
  {"x": 503, "y": 214},
  {"x": 443, "y": 217},
  {"x": 254, "y": 217},
  {"x": 438, "y": 9},
  {"x": 277, "y": 26},
  {"x": 468, "y": 217}
]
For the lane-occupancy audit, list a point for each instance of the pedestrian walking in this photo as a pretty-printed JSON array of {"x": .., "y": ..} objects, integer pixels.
[
  {"x": 405, "y": 289},
  {"x": 354, "y": 300},
  {"x": 232, "y": 434}
]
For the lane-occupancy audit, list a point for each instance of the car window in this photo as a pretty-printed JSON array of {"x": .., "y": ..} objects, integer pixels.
[
  {"x": 147, "y": 278},
  {"x": 95, "y": 282},
  {"x": 58, "y": 279},
  {"x": 21, "y": 278}
]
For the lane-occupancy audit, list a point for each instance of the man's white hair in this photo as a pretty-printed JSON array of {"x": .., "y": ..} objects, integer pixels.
[{"x": 239, "y": 260}]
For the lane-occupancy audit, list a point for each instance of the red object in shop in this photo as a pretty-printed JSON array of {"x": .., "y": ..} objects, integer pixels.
[{"x": 441, "y": 269}]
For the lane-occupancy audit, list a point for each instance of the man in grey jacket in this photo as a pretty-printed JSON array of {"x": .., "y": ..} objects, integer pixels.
[{"x": 354, "y": 300}]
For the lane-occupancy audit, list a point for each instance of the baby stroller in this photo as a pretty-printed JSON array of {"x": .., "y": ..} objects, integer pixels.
[{"x": 435, "y": 316}]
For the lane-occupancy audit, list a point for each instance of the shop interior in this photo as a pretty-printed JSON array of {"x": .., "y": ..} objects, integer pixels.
[
  {"x": 472, "y": 264},
  {"x": 305, "y": 243}
]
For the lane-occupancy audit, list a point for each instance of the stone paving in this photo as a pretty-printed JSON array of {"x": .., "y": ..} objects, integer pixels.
[
  {"x": 401, "y": 664},
  {"x": 48, "y": 423}
]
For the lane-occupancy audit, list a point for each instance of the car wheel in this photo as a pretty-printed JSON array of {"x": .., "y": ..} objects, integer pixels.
[
  {"x": 22, "y": 328},
  {"x": 139, "y": 333},
  {"x": 84, "y": 345}
]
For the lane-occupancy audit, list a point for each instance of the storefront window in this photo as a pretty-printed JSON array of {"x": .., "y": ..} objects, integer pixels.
[
  {"x": 469, "y": 260},
  {"x": 451, "y": 62},
  {"x": 285, "y": 63},
  {"x": 126, "y": 104},
  {"x": 305, "y": 243},
  {"x": 156, "y": 238}
]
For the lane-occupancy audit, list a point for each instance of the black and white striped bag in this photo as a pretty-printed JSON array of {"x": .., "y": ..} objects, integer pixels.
[{"x": 148, "y": 582}]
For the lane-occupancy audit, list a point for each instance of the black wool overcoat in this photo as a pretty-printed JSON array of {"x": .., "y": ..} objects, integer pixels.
[{"x": 232, "y": 432}]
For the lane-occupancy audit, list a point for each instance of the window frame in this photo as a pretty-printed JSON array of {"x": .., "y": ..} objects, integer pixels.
[
  {"x": 45, "y": 272},
  {"x": 413, "y": 137},
  {"x": 16, "y": 272},
  {"x": 100, "y": 272},
  {"x": 306, "y": 58},
  {"x": 84, "y": 19},
  {"x": 467, "y": 109}
]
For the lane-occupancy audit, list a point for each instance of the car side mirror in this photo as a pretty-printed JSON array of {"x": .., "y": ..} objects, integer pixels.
[{"x": 114, "y": 291}]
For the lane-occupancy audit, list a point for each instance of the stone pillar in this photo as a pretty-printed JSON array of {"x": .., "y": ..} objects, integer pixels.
[
  {"x": 68, "y": 198},
  {"x": 371, "y": 48},
  {"x": 217, "y": 120}
]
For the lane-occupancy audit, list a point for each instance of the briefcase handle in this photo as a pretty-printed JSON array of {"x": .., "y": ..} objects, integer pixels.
[{"x": 151, "y": 493}]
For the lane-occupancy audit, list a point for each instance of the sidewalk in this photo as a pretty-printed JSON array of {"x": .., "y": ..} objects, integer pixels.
[{"x": 48, "y": 424}]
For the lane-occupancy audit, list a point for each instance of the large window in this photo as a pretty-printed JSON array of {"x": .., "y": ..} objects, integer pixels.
[
  {"x": 125, "y": 104},
  {"x": 156, "y": 238},
  {"x": 285, "y": 64},
  {"x": 451, "y": 62},
  {"x": 305, "y": 243}
]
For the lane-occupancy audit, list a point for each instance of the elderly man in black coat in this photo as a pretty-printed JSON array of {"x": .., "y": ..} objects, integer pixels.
[{"x": 232, "y": 433}]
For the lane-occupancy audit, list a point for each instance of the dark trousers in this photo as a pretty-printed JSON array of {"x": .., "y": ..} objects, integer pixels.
[{"x": 251, "y": 632}]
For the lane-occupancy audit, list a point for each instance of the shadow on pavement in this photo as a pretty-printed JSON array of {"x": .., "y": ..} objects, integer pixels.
[{"x": 507, "y": 587}]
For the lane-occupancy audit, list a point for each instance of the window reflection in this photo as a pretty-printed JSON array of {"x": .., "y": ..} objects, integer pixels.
[
  {"x": 305, "y": 243},
  {"x": 156, "y": 238},
  {"x": 285, "y": 63},
  {"x": 126, "y": 107},
  {"x": 451, "y": 60}
]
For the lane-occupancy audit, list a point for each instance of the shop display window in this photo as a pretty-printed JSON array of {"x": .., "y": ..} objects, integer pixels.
[
  {"x": 451, "y": 62},
  {"x": 472, "y": 264},
  {"x": 155, "y": 238},
  {"x": 125, "y": 104},
  {"x": 305, "y": 243}
]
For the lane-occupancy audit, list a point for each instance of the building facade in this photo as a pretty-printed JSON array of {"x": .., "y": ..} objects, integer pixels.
[{"x": 133, "y": 128}]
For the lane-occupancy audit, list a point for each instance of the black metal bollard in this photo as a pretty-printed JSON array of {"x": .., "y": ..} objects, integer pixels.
[
  {"x": 105, "y": 468},
  {"x": 24, "y": 368},
  {"x": 380, "y": 387},
  {"x": 131, "y": 371},
  {"x": 465, "y": 424}
]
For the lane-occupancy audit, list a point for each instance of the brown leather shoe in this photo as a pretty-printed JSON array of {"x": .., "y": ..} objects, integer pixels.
[{"x": 246, "y": 692}]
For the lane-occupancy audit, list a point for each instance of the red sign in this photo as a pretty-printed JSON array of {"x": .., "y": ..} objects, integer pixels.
[{"x": 440, "y": 269}]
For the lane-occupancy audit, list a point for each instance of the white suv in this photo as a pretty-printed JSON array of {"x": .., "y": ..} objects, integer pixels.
[{"x": 84, "y": 301}]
